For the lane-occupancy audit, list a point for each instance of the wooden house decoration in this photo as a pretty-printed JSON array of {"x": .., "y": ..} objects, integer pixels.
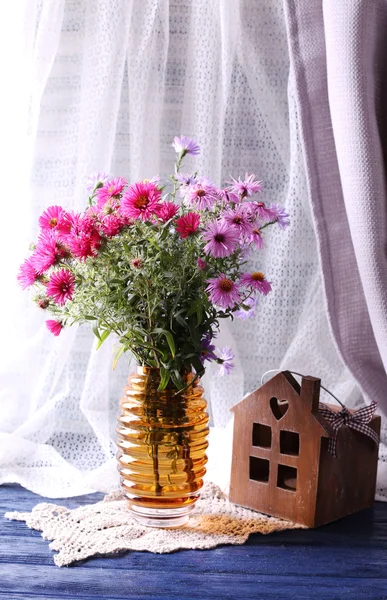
[{"x": 281, "y": 464}]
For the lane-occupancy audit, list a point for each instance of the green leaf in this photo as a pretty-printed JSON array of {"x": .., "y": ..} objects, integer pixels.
[
  {"x": 165, "y": 376},
  {"x": 104, "y": 335},
  {"x": 169, "y": 337},
  {"x": 117, "y": 355},
  {"x": 96, "y": 330}
]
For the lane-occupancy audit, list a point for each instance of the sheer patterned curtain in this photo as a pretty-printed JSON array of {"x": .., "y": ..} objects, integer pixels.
[{"x": 108, "y": 85}]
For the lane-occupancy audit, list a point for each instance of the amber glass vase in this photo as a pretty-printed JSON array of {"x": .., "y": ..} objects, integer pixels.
[{"x": 162, "y": 440}]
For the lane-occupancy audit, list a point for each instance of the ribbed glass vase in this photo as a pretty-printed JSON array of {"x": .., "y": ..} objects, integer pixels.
[{"x": 162, "y": 440}]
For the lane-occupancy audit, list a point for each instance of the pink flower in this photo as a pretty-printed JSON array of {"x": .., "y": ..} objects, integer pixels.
[
  {"x": 67, "y": 222},
  {"x": 256, "y": 281},
  {"x": 185, "y": 145},
  {"x": 202, "y": 195},
  {"x": 228, "y": 197},
  {"x": 166, "y": 210},
  {"x": 256, "y": 238},
  {"x": 84, "y": 239},
  {"x": 50, "y": 218},
  {"x": 222, "y": 239},
  {"x": 223, "y": 292},
  {"x": 140, "y": 201},
  {"x": 112, "y": 188},
  {"x": 27, "y": 273},
  {"x": 187, "y": 224},
  {"x": 111, "y": 225},
  {"x": 238, "y": 218},
  {"x": 246, "y": 187},
  {"x": 202, "y": 265},
  {"x": 260, "y": 210},
  {"x": 49, "y": 251},
  {"x": 61, "y": 286},
  {"x": 54, "y": 326}
]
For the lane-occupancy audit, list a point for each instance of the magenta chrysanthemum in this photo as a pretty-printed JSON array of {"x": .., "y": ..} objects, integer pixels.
[
  {"x": 84, "y": 239},
  {"x": 140, "y": 201},
  {"x": 202, "y": 195},
  {"x": 27, "y": 274},
  {"x": 185, "y": 145},
  {"x": 256, "y": 281},
  {"x": 222, "y": 239},
  {"x": 54, "y": 326},
  {"x": 48, "y": 252},
  {"x": 223, "y": 291},
  {"x": 111, "y": 225},
  {"x": 166, "y": 210},
  {"x": 225, "y": 358},
  {"x": 113, "y": 188},
  {"x": 239, "y": 219},
  {"x": 187, "y": 224},
  {"x": 50, "y": 218},
  {"x": 245, "y": 187},
  {"x": 61, "y": 286}
]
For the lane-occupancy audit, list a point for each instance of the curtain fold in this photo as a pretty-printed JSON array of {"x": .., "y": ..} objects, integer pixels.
[{"x": 117, "y": 81}]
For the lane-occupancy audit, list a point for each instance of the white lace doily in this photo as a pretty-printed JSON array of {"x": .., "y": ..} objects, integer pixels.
[{"x": 107, "y": 527}]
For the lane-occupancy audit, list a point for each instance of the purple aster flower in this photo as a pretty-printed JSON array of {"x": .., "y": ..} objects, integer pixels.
[
  {"x": 208, "y": 348},
  {"x": 223, "y": 292},
  {"x": 96, "y": 180},
  {"x": 247, "y": 309},
  {"x": 202, "y": 195},
  {"x": 261, "y": 211},
  {"x": 256, "y": 281},
  {"x": 185, "y": 145},
  {"x": 256, "y": 237},
  {"x": 238, "y": 218},
  {"x": 225, "y": 358},
  {"x": 222, "y": 239},
  {"x": 279, "y": 215},
  {"x": 245, "y": 188},
  {"x": 186, "y": 181},
  {"x": 228, "y": 197}
]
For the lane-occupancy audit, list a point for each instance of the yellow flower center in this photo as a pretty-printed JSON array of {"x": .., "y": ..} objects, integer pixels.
[{"x": 53, "y": 222}]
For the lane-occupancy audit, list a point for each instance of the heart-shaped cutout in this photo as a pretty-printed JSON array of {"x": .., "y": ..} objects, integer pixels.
[{"x": 278, "y": 407}]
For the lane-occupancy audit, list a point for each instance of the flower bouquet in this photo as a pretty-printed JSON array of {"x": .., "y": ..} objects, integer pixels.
[{"x": 157, "y": 264}]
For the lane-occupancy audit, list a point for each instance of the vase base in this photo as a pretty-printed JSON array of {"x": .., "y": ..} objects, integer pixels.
[{"x": 161, "y": 517}]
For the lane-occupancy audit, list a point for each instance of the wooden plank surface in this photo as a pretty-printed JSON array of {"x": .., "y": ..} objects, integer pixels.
[{"x": 346, "y": 559}]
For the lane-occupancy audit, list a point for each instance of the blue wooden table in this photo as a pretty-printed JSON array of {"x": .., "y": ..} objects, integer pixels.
[{"x": 347, "y": 559}]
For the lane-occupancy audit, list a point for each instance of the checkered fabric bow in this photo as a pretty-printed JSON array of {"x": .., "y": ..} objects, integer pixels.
[{"x": 356, "y": 420}]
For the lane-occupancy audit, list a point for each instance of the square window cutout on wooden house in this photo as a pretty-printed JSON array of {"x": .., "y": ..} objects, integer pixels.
[
  {"x": 287, "y": 478},
  {"x": 261, "y": 435},
  {"x": 259, "y": 469},
  {"x": 289, "y": 442}
]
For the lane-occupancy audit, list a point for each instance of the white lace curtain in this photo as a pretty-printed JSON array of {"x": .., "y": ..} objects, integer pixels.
[{"x": 105, "y": 85}]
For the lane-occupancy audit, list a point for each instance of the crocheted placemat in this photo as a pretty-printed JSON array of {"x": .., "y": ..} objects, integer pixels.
[{"x": 107, "y": 527}]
